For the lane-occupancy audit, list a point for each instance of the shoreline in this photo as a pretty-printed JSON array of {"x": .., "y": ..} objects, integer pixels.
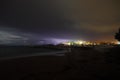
[{"x": 54, "y": 53}]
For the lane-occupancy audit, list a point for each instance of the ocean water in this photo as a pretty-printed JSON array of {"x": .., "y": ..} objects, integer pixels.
[
  {"x": 18, "y": 55},
  {"x": 15, "y": 53}
]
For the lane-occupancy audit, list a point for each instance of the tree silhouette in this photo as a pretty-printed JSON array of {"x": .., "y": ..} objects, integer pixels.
[{"x": 117, "y": 35}]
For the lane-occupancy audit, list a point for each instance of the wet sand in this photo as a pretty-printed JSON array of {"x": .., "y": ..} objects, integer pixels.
[{"x": 43, "y": 66}]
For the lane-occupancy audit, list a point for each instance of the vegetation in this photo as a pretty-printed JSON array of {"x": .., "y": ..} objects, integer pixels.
[{"x": 117, "y": 36}]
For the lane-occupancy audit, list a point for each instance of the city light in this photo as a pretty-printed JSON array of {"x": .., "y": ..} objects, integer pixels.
[
  {"x": 67, "y": 43},
  {"x": 88, "y": 43},
  {"x": 78, "y": 42},
  {"x": 118, "y": 43}
]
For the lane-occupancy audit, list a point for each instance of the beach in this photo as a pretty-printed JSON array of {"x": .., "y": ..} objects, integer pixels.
[{"x": 80, "y": 64}]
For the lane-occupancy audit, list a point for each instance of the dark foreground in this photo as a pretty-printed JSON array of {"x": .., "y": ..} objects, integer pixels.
[{"x": 79, "y": 64}]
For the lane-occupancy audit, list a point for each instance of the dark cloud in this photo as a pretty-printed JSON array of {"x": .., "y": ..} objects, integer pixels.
[
  {"x": 75, "y": 19},
  {"x": 95, "y": 16}
]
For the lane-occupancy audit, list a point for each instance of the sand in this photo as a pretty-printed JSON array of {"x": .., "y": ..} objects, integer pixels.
[{"x": 80, "y": 64}]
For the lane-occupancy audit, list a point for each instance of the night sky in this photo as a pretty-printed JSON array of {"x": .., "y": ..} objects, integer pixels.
[{"x": 91, "y": 20}]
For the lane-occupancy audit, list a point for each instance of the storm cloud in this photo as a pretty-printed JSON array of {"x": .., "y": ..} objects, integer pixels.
[{"x": 70, "y": 19}]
